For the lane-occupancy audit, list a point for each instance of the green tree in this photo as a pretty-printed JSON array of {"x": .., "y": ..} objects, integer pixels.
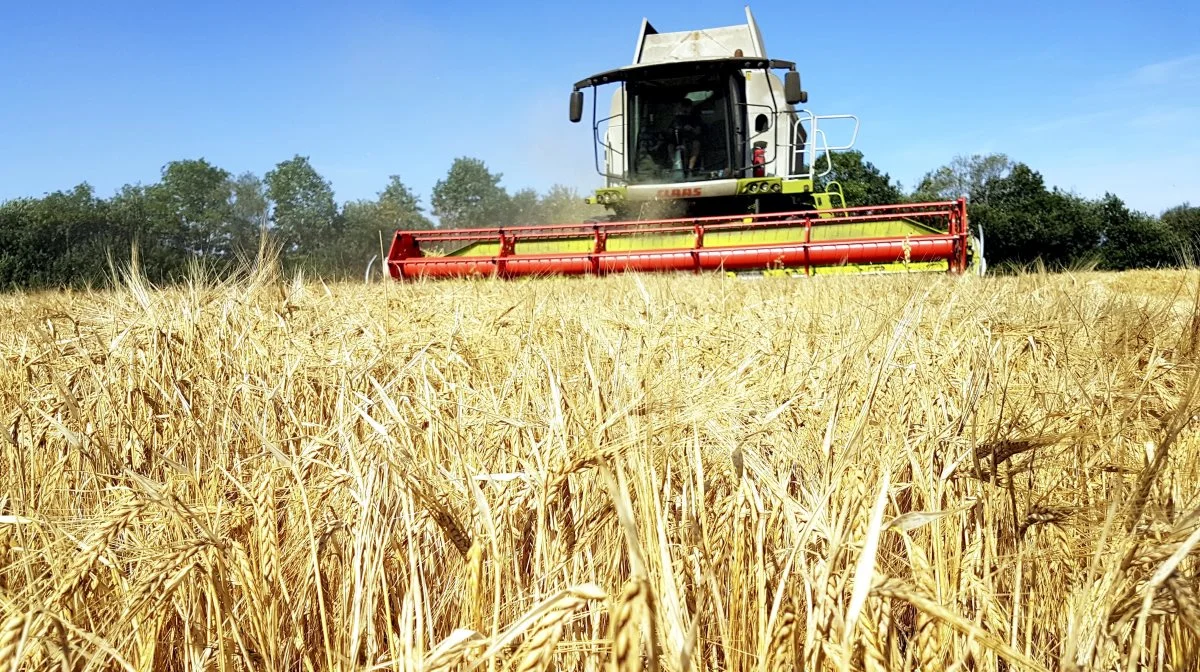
[
  {"x": 137, "y": 217},
  {"x": 1022, "y": 221},
  {"x": 524, "y": 207},
  {"x": 400, "y": 208},
  {"x": 56, "y": 240},
  {"x": 564, "y": 205},
  {"x": 1184, "y": 221},
  {"x": 305, "y": 216},
  {"x": 19, "y": 241},
  {"x": 1134, "y": 239},
  {"x": 195, "y": 198},
  {"x": 365, "y": 224},
  {"x": 862, "y": 183},
  {"x": 963, "y": 177},
  {"x": 364, "y": 229},
  {"x": 250, "y": 213},
  {"x": 470, "y": 196}
]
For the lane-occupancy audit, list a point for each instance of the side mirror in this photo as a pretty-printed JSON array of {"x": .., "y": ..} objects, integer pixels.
[
  {"x": 576, "y": 106},
  {"x": 792, "y": 92}
]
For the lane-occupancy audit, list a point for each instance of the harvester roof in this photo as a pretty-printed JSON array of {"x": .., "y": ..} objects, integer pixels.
[
  {"x": 689, "y": 52},
  {"x": 690, "y": 45},
  {"x": 669, "y": 69}
]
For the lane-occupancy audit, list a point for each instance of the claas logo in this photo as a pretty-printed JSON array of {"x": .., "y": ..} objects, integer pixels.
[{"x": 688, "y": 192}]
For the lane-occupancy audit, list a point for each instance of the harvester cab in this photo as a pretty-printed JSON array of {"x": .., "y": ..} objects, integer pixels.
[
  {"x": 710, "y": 163},
  {"x": 702, "y": 123}
]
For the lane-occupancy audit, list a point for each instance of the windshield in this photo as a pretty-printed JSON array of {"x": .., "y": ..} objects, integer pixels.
[{"x": 679, "y": 130}]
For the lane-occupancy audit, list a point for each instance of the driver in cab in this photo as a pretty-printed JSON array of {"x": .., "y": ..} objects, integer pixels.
[{"x": 686, "y": 130}]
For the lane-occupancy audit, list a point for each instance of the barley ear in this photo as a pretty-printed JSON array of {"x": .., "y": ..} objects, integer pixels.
[
  {"x": 938, "y": 614},
  {"x": 537, "y": 652},
  {"x": 624, "y": 635},
  {"x": 1184, "y": 593},
  {"x": 475, "y": 606},
  {"x": 449, "y": 653},
  {"x": 875, "y": 629},
  {"x": 440, "y": 511},
  {"x": 265, "y": 531},
  {"x": 781, "y": 655},
  {"x": 15, "y": 635}
]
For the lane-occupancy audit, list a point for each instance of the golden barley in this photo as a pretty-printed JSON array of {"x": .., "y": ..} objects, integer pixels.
[{"x": 861, "y": 473}]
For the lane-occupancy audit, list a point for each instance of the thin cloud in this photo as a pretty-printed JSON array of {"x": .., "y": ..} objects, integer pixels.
[
  {"x": 1173, "y": 71},
  {"x": 1074, "y": 120},
  {"x": 1164, "y": 118}
]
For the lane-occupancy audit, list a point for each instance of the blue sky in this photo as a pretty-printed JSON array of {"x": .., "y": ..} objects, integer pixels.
[{"x": 1096, "y": 96}]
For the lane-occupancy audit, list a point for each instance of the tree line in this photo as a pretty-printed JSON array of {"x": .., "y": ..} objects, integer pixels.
[
  {"x": 200, "y": 213},
  {"x": 1022, "y": 220}
]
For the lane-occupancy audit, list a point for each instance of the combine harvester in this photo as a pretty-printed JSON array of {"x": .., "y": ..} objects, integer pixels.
[{"x": 709, "y": 165}]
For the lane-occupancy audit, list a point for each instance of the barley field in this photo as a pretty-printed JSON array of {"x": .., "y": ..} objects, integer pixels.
[{"x": 658, "y": 472}]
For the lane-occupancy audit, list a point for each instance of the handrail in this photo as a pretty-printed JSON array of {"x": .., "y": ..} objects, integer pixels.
[
  {"x": 598, "y": 143},
  {"x": 950, "y": 245},
  {"x": 889, "y": 210},
  {"x": 812, "y": 217},
  {"x": 812, "y": 167},
  {"x": 731, "y": 226},
  {"x": 853, "y": 138},
  {"x": 817, "y": 143},
  {"x": 800, "y": 149},
  {"x": 535, "y": 256},
  {"x": 771, "y": 130}
]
